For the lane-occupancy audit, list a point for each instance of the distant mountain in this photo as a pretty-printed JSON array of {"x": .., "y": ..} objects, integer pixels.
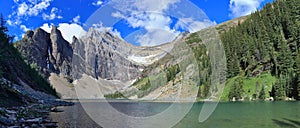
[
  {"x": 120, "y": 67},
  {"x": 104, "y": 55},
  {"x": 261, "y": 50},
  {"x": 97, "y": 54}
]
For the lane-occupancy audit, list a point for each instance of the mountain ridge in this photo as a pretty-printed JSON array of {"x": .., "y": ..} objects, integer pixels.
[
  {"x": 273, "y": 54},
  {"x": 104, "y": 56}
]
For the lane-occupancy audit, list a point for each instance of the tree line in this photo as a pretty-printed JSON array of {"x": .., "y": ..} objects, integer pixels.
[
  {"x": 268, "y": 41},
  {"x": 13, "y": 66}
]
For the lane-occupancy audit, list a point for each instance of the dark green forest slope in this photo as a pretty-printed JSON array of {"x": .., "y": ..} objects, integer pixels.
[
  {"x": 265, "y": 46},
  {"x": 14, "y": 68},
  {"x": 262, "y": 51}
]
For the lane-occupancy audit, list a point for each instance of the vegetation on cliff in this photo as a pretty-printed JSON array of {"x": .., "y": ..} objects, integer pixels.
[
  {"x": 15, "y": 69},
  {"x": 267, "y": 42}
]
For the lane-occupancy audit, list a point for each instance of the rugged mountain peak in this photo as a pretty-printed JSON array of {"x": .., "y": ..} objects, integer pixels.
[
  {"x": 74, "y": 39},
  {"x": 38, "y": 34},
  {"x": 56, "y": 35},
  {"x": 34, "y": 47},
  {"x": 101, "y": 54},
  {"x": 53, "y": 27},
  {"x": 92, "y": 31},
  {"x": 48, "y": 52},
  {"x": 60, "y": 52},
  {"x": 29, "y": 34}
]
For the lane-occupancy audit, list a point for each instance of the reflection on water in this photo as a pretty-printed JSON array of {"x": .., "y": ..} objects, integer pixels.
[
  {"x": 227, "y": 115},
  {"x": 140, "y": 109}
]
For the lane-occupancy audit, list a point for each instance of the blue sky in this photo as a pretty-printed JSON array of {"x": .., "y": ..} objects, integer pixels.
[{"x": 74, "y": 17}]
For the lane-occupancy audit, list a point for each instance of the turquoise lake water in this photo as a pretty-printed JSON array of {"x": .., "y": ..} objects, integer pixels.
[{"x": 226, "y": 115}]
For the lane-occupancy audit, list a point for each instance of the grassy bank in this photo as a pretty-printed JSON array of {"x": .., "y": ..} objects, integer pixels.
[{"x": 250, "y": 86}]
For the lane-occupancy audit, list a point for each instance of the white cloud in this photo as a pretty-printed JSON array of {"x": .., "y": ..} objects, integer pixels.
[
  {"x": 101, "y": 28},
  {"x": 29, "y": 8},
  {"x": 37, "y": 8},
  {"x": 192, "y": 25},
  {"x": 243, "y": 7},
  {"x": 149, "y": 21},
  {"x": 24, "y": 28},
  {"x": 76, "y": 19},
  {"x": 97, "y": 3},
  {"x": 22, "y": 9},
  {"x": 67, "y": 30},
  {"x": 144, "y": 5},
  {"x": 154, "y": 5},
  {"x": 148, "y": 15},
  {"x": 118, "y": 15},
  {"x": 9, "y": 22},
  {"x": 17, "y": 38},
  {"x": 52, "y": 15},
  {"x": 46, "y": 27},
  {"x": 70, "y": 30},
  {"x": 155, "y": 37},
  {"x": 32, "y": 8},
  {"x": 59, "y": 17}
]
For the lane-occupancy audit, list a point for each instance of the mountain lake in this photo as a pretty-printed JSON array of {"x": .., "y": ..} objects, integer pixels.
[{"x": 226, "y": 115}]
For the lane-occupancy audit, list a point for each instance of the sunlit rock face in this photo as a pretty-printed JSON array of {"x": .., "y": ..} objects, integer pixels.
[
  {"x": 101, "y": 54},
  {"x": 60, "y": 53}
]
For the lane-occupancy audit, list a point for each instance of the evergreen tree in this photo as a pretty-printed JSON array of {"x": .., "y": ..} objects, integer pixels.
[
  {"x": 262, "y": 94},
  {"x": 279, "y": 89},
  {"x": 4, "y": 37},
  {"x": 3, "y": 31},
  {"x": 13, "y": 67},
  {"x": 269, "y": 38},
  {"x": 236, "y": 89},
  {"x": 296, "y": 83}
]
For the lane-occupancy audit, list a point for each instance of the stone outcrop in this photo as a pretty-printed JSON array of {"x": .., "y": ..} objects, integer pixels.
[
  {"x": 60, "y": 53},
  {"x": 100, "y": 54},
  {"x": 34, "y": 47},
  {"x": 48, "y": 52}
]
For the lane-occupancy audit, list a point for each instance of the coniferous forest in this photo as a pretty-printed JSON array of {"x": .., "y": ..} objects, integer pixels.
[
  {"x": 14, "y": 67},
  {"x": 267, "y": 42}
]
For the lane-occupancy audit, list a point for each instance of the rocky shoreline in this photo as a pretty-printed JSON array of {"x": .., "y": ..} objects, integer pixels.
[{"x": 33, "y": 115}]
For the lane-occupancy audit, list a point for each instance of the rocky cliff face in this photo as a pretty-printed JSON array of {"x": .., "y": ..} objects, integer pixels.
[
  {"x": 60, "y": 53},
  {"x": 108, "y": 58},
  {"x": 34, "y": 47},
  {"x": 100, "y": 54},
  {"x": 48, "y": 52}
]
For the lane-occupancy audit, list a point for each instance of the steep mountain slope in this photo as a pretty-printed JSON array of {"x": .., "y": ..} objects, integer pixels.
[
  {"x": 97, "y": 54},
  {"x": 266, "y": 44},
  {"x": 185, "y": 73},
  {"x": 116, "y": 64},
  {"x": 47, "y": 52},
  {"x": 100, "y": 54},
  {"x": 110, "y": 57},
  {"x": 19, "y": 82}
]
